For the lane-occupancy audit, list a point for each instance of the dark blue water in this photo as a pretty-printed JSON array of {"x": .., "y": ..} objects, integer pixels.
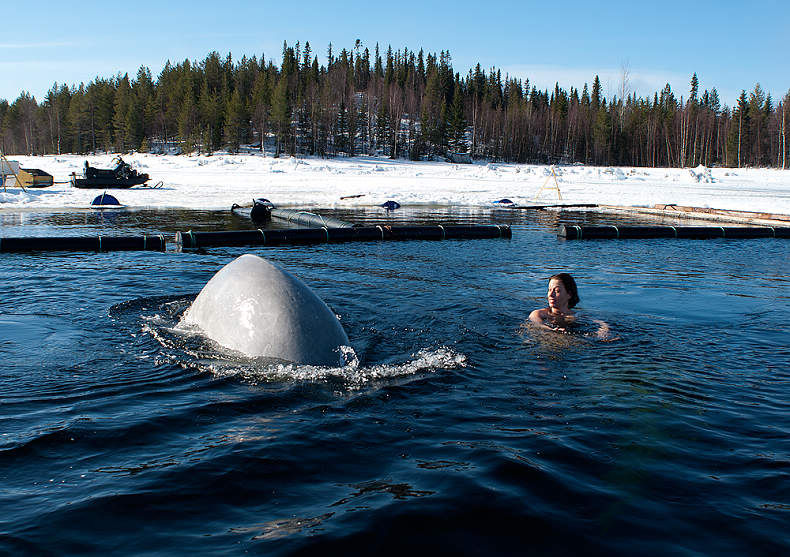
[{"x": 455, "y": 432}]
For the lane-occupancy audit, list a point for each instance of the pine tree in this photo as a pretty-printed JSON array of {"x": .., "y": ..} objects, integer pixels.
[
  {"x": 261, "y": 102},
  {"x": 307, "y": 57},
  {"x": 389, "y": 72},
  {"x": 140, "y": 122},
  {"x": 121, "y": 106},
  {"x": 585, "y": 100},
  {"x": 234, "y": 122},
  {"x": 431, "y": 108},
  {"x": 715, "y": 103},
  {"x": 457, "y": 121},
  {"x": 596, "y": 93},
  {"x": 756, "y": 128},
  {"x": 210, "y": 109},
  {"x": 134, "y": 124},
  {"x": 736, "y": 139},
  {"x": 601, "y": 135},
  {"x": 281, "y": 113},
  {"x": 694, "y": 89},
  {"x": 378, "y": 68},
  {"x": 187, "y": 122},
  {"x": 78, "y": 117}
]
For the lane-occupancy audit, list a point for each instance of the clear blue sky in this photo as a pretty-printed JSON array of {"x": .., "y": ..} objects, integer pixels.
[{"x": 730, "y": 45}]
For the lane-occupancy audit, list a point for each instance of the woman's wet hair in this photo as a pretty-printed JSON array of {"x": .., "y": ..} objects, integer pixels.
[{"x": 570, "y": 286}]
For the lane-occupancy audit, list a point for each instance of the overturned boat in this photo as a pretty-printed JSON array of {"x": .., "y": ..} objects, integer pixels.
[{"x": 122, "y": 176}]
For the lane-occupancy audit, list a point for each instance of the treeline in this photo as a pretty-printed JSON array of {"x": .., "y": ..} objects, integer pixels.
[{"x": 401, "y": 104}]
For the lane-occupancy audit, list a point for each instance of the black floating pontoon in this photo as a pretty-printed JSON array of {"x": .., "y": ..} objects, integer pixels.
[
  {"x": 195, "y": 240},
  {"x": 122, "y": 176},
  {"x": 612, "y": 232},
  {"x": 146, "y": 242}
]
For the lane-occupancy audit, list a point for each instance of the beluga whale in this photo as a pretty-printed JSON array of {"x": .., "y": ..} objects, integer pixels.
[{"x": 261, "y": 310}]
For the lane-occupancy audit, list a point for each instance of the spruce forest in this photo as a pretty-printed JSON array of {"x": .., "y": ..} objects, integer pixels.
[{"x": 401, "y": 104}]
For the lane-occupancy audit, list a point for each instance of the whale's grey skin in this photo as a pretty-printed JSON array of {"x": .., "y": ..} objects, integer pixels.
[{"x": 259, "y": 309}]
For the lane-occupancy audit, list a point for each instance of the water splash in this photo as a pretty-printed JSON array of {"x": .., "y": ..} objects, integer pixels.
[{"x": 157, "y": 320}]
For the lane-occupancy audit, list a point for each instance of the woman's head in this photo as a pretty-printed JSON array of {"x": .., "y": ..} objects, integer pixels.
[{"x": 562, "y": 288}]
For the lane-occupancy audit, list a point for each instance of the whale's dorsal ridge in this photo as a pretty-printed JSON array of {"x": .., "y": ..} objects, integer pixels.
[{"x": 255, "y": 307}]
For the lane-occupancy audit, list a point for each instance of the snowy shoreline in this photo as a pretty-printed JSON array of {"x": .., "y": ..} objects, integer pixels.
[{"x": 216, "y": 182}]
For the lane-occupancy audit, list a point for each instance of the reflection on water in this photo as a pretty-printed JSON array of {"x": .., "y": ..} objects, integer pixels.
[{"x": 169, "y": 221}]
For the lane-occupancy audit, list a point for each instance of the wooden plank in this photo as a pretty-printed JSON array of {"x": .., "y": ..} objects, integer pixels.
[{"x": 728, "y": 212}]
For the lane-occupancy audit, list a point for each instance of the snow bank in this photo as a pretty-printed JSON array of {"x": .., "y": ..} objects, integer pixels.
[{"x": 218, "y": 181}]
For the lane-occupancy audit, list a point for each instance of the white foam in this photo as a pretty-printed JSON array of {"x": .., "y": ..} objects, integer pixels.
[{"x": 352, "y": 374}]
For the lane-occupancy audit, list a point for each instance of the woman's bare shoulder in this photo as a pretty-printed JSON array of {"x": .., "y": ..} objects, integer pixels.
[{"x": 538, "y": 315}]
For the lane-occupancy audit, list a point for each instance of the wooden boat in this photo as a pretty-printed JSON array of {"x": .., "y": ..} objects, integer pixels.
[
  {"x": 35, "y": 178},
  {"x": 122, "y": 176}
]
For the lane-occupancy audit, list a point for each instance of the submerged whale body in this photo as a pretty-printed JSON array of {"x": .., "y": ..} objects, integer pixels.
[{"x": 259, "y": 309}]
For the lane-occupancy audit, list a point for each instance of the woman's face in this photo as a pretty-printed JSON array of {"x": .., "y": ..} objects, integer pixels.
[{"x": 557, "y": 295}]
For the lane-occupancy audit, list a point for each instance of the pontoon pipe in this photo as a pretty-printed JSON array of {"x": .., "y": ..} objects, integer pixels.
[
  {"x": 81, "y": 243},
  {"x": 612, "y": 232},
  {"x": 193, "y": 240}
]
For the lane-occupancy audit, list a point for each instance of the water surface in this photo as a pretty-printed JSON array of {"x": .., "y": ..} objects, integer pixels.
[{"x": 454, "y": 431}]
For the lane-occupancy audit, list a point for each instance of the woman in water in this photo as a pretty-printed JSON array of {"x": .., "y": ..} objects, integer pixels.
[{"x": 558, "y": 317}]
